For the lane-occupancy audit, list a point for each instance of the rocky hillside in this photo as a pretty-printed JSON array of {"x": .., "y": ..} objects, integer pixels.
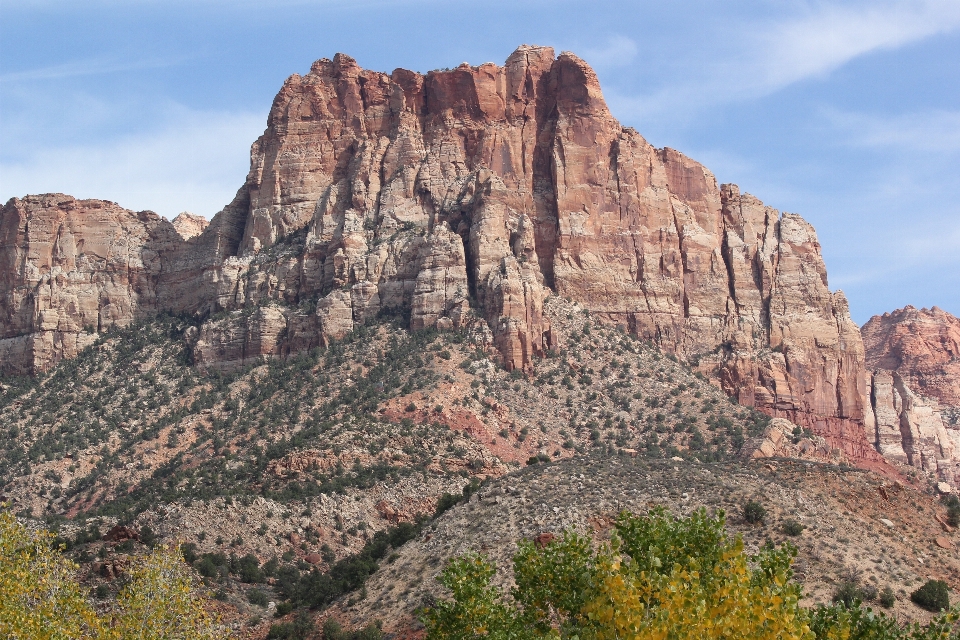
[
  {"x": 853, "y": 526},
  {"x": 278, "y": 470},
  {"x": 482, "y": 189}
]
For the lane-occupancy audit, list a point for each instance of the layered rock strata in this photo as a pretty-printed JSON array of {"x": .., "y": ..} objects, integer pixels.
[
  {"x": 462, "y": 196},
  {"x": 922, "y": 346}
]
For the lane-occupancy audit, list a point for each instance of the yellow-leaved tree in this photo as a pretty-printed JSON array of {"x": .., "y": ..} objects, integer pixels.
[
  {"x": 160, "y": 602},
  {"x": 39, "y": 594},
  {"x": 41, "y": 598},
  {"x": 659, "y": 578}
]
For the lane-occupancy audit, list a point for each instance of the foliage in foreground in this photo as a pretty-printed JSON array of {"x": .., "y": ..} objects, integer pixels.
[
  {"x": 41, "y": 598},
  {"x": 660, "y": 577}
]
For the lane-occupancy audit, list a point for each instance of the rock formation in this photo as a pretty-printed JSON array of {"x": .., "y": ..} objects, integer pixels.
[
  {"x": 911, "y": 430},
  {"x": 922, "y": 346},
  {"x": 69, "y": 269},
  {"x": 462, "y": 196},
  {"x": 189, "y": 225}
]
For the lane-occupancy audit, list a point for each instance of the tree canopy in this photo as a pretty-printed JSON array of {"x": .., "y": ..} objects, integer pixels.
[
  {"x": 659, "y": 578},
  {"x": 40, "y": 596}
]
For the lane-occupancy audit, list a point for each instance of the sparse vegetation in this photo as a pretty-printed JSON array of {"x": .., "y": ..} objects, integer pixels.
[
  {"x": 934, "y": 596},
  {"x": 754, "y": 512}
]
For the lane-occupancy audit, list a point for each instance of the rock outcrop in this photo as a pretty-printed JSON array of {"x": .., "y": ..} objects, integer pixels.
[
  {"x": 922, "y": 346},
  {"x": 71, "y": 268},
  {"x": 189, "y": 225},
  {"x": 464, "y": 196},
  {"x": 911, "y": 430}
]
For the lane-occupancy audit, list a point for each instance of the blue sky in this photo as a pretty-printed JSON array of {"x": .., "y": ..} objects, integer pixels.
[{"x": 845, "y": 112}]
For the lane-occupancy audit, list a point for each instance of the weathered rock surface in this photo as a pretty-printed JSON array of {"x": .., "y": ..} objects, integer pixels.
[
  {"x": 70, "y": 268},
  {"x": 189, "y": 225},
  {"x": 466, "y": 195},
  {"x": 910, "y": 430},
  {"x": 922, "y": 346}
]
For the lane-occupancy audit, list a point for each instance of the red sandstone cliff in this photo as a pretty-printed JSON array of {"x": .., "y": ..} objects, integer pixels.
[
  {"x": 922, "y": 346},
  {"x": 479, "y": 189}
]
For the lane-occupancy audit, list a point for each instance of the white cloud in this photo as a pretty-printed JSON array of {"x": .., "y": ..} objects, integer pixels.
[
  {"x": 195, "y": 163},
  {"x": 828, "y": 36},
  {"x": 88, "y": 67},
  {"x": 941, "y": 246},
  {"x": 928, "y": 131},
  {"x": 752, "y": 58},
  {"x": 616, "y": 52}
]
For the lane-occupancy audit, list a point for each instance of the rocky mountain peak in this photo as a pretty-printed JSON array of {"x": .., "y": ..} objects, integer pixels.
[
  {"x": 465, "y": 196},
  {"x": 189, "y": 225}
]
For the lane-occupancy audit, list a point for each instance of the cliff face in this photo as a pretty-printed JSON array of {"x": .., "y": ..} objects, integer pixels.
[
  {"x": 478, "y": 192},
  {"x": 913, "y": 361},
  {"x": 70, "y": 268},
  {"x": 922, "y": 346}
]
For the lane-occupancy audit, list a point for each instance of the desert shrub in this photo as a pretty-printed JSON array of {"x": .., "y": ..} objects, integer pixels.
[
  {"x": 754, "y": 512},
  {"x": 953, "y": 510},
  {"x": 257, "y": 597},
  {"x": 300, "y": 628},
  {"x": 332, "y": 630},
  {"x": 189, "y": 552},
  {"x": 445, "y": 503},
  {"x": 933, "y": 596},
  {"x": 887, "y": 598},
  {"x": 247, "y": 568},
  {"x": 792, "y": 528},
  {"x": 850, "y": 594}
]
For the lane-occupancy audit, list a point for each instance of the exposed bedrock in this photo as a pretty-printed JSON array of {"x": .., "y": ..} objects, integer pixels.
[
  {"x": 922, "y": 345},
  {"x": 911, "y": 430},
  {"x": 460, "y": 196}
]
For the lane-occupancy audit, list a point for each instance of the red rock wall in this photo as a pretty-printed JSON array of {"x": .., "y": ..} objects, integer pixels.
[
  {"x": 500, "y": 186},
  {"x": 922, "y": 346}
]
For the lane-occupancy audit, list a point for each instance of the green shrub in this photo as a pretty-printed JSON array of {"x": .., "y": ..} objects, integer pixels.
[
  {"x": 953, "y": 510},
  {"x": 848, "y": 594},
  {"x": 754, "y": 512},
  {"x": 792, "y": 528},
  {"x": 301, "y": 628},
  {"x": 932, "y": 596},
  {"x": 887, "y": 598},
  {"x": 258, "y": 598},
  {"x": 333, "y": 631},
  {"x": 189, "y": 552}
]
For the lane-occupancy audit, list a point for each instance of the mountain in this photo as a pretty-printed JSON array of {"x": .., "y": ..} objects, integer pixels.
[
  {"x": 922, "y": 345},
  {"x": 473, "y": 286},
  {"x": 913, "y": 360},
  {"x": 459, "y": 196}
]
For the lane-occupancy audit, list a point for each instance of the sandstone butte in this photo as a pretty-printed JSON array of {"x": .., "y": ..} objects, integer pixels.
[{"x": 464, "y": 196}]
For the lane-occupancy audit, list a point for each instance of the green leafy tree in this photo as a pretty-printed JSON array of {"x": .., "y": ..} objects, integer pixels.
[{"x": 662, "y": 578}]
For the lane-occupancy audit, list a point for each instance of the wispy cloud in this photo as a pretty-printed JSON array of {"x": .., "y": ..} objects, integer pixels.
[
  {"x": 195, "y": 163},
  {"x": 943, "y": 245},
  {"x": 89, "y": 67},
  {"x": 761, "y": 57},
  {"x": 928, "y": 131},
  {"x": 825, "y": 37}
]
